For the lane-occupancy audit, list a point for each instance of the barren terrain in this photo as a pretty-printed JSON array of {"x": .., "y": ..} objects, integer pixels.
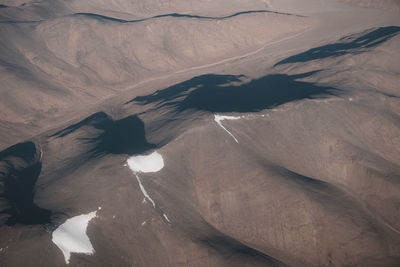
[{"x": 199, "y": 133}]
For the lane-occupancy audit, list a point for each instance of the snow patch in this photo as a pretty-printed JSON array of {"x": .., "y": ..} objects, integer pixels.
[
  {"x": 219, "y": 118},
  {"x": 70, "y": 237},
  {"x": 146, "y": 163},
  {"x": 153, "y": 162},
  {"x": 146, "y": 195},
  {"x": 165, "y": 216}
]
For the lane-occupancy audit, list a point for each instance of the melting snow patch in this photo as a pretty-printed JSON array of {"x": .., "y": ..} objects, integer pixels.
[
  {"x": 219, "y": 118},
  {"x": 146, "y": 163},
  {"x": 146, "y": 195},
  {"x": 70, "y": 237},
  {"x": 165, "y": 216}
]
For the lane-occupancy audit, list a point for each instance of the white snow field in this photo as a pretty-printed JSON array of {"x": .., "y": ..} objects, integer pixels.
[{"x": 70, "y": 237}]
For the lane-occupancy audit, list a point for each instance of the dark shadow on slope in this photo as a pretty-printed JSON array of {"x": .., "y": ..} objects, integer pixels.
[
  {"x": 178, "y": 15},
  {"x": 93, "y": 120},
  {"x": 194, "y": 227},
  {"x": 20, "y": 167},
  {"x": 346, "y": 45},
  {"x": 229, "y": 247},
  {"x": 125, "y": 136},
  {"x": 216, "y": 93},
  {"x": 180, "y": 90},
  {"x": 331, "y": 198},
  {"x": 172, "y": 15}
]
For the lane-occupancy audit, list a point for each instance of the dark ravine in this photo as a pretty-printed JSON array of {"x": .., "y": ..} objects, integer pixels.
[
  {"x": 124, "y": 136},
  {"x": 171, "y": 15},
  {"x": 20, "y": 167},
  {"x": 178, "y": 15},
  {"x": 282, "y": 149},
  {"x": 347, "y": 45},
  {"x": 215, "y": 93}
]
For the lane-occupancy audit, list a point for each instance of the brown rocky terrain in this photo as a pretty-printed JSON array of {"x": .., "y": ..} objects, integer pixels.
[{"x": 200, "y": 133}]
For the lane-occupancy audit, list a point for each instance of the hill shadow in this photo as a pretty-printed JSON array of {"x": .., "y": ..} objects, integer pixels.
[
  {"x": 124, "y": 136},
  {"x": 349, "y": 44},
  {"x": 229, "y": 247},
  {"x": 20, "y": 167},
  {"x": 180, "y": 89},
  {"x": 219, "y": 93},
  {"x": 179, "y": 15},
  {"x": 95, "y": 120}
]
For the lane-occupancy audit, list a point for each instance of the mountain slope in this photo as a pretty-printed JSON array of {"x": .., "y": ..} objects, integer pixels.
[{"x": 215, "y": 140}]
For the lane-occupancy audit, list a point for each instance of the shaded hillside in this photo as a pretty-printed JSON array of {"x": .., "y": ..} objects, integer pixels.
[
  {"x": 124, "y": 136},
  {"x": 199, "y": 133},
  {"x": 215, "y": 94},
  {"x": 347, "y": 45},
  {"x": 20, "y": 167},
  {"x": 80, "y": 59}
]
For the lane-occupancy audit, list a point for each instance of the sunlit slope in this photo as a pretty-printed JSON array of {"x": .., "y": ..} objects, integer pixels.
[
  {"x": 56, "y": 65},
  {"x": 385, "y": 4},
  {"x": 286, "y": 155},
  {"x": 124, "y": 9}
]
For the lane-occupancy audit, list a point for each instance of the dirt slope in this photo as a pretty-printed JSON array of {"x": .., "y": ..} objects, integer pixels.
[
  {"x": 278, "y": 133},
  {"x": 60, "y": 65},
  {"x": 386, "y": 4}
]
